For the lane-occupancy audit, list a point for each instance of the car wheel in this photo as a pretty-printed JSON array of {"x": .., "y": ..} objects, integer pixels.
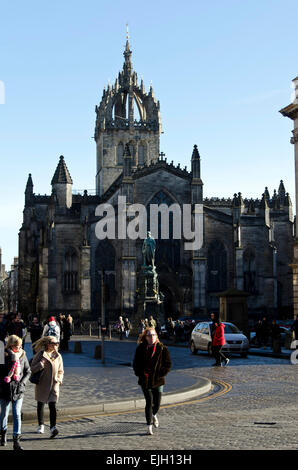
[
  {"x": 193, "y": 348},
  {"x": 210, "y": 349}
]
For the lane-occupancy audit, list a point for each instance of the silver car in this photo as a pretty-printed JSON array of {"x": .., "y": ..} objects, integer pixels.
[{"x": 236, "y": 342}]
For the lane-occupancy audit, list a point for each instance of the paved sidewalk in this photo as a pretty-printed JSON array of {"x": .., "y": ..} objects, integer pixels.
[{"x": 92, "y": 387}]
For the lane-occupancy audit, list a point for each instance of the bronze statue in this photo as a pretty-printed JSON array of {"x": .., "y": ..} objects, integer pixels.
[{"x": 148, "y": 250}]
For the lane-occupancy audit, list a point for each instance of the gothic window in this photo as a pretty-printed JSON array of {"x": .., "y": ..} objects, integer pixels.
[
  {"x": 70, "y": 274},
  {"x": 120, "y": 152},
  {"x": 105, "y": 259},
  {"x": 249, "y": 271},
  {"x": 217, "y": 267},
  {"x": 141, "y": 155},
  {"x": 167, "y": 250}
]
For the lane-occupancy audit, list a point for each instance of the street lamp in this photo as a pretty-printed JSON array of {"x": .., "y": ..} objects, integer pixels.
[{"x": 103, "y": 327}]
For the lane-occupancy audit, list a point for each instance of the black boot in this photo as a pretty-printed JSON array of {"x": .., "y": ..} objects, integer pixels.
[
  {"x": 16, "y": 442},
  {"x": 3, "y": 438}
]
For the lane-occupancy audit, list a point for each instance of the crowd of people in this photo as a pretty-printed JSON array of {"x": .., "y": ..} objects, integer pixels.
[
  {"x": 46, "y": 363},
  {"x": 61, "y": 327}
]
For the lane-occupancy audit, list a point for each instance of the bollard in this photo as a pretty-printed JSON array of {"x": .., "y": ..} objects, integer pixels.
[
  {"x": 77, "y": 347},
  {"x": 97, "y": 352}
]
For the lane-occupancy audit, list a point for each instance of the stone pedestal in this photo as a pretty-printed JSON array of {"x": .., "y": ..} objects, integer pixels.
[{"x": 148, "y": 297}]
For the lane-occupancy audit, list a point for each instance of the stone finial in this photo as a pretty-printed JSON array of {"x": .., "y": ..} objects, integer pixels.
[{"x": 195, "y": 153}]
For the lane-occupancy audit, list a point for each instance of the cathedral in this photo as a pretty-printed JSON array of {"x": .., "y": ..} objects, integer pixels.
[{"x": 246, "y": 243}]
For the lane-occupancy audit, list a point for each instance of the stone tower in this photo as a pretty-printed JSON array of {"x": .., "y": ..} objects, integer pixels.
[{"x": 126, "y": 115}]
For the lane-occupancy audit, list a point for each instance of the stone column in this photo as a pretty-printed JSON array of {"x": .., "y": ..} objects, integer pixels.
[{"x": 291, "y": 112}]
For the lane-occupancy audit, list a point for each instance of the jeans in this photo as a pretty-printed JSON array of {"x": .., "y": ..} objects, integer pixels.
[
  {"x": 16, "y": 412},
  {"x": 153, "y": 399},
  {"x": 218, "y": 354}
]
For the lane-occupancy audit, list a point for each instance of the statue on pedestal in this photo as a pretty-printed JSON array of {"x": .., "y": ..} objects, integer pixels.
[{"x": 148, "y": 251}]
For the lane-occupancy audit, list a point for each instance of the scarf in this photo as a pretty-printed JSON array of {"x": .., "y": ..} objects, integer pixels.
[{"x": 15, "y": 370}]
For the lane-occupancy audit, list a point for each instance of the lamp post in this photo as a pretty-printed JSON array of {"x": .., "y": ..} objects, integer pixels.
[{"x": 103, "y": 327}]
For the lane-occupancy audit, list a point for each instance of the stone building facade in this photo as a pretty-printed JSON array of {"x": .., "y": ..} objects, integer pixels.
[{"x": 246, "y": 243}]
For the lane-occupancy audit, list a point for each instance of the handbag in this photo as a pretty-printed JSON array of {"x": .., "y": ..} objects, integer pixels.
[{"x": 34, "y": 378}]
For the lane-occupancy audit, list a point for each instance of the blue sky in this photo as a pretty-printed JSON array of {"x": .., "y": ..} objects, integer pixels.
[{"x": 222, "y": 70}]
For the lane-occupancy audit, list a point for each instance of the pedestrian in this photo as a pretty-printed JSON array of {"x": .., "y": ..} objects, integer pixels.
[
  {"x": 294, "y": 328},
  {"x": 151, "y": 364},
  {"x": 170, "y": 327},
  {"x": 35, "y": 329},
  {"x": 48, "y": 359},
  {"x": 3, "y": 327},
  {"x": 127, "y": 327},
  {"x": 141, "y": 327},
  {"x": 61, "y": 324},
  {"x": 265, "y": 330},
  {"x": 67, "y": 331},
  {"x": 69, "y": 318},
  {"x": 52, "y": 329},
  {"x": 152, "y": 322},
  {"x": 17, "y": 327},
  {"x": 14, "y": 374},
  {"x": 213, "y": 318},
  {"x": 218, "y": 342},
  {"x": 121, "y": 327},
  {"x": 276, "y": 336}
]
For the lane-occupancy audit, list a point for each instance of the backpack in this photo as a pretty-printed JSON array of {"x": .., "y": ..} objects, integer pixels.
[{"x": 51, "y": 331}]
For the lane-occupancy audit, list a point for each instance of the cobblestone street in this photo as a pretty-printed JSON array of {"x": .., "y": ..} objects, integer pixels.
[{"x": 259, "y": 412}]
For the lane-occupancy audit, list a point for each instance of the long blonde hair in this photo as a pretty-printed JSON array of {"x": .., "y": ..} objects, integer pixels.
[
  {"x": 142, "y": 336},
  {"x": 42, "y": 344}
]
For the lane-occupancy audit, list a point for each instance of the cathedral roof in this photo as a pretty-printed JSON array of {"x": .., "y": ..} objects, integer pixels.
[{"x": 61, "y": 174}]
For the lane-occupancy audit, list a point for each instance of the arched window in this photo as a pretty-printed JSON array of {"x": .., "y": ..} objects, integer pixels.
[
  {"x": 167, "y": 250},
  {"x": 120, "y": 152},
  {"x": 217, "y": 267},
  {"x": 70, "y": 274},
  {"x": 105, "y": 259},
  {"x": 249, "y": 271}
]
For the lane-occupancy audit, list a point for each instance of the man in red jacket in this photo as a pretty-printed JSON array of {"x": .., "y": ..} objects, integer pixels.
[{"x": 217, "y": 343}]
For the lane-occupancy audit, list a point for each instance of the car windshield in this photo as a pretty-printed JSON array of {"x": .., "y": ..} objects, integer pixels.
[{"x": 231, "y": 329}]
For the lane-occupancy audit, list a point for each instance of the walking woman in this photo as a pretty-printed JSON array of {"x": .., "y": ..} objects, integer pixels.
[
  {"x": 14, "y": 374},
  {"x": 151, "y": 364},
  {"x": 217, "y": 343},
  {"x": 50, "y": 361}
]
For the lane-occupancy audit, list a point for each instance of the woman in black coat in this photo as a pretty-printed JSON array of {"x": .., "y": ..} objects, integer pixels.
[
  {"x": 151, "y": 364},
  {"x": 14, "y": 374}
]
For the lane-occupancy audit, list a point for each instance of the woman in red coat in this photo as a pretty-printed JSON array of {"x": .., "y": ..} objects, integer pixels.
[{"x": 217, "y": 343}]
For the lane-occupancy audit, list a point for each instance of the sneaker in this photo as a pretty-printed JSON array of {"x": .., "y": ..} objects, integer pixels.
[
  {"x": 155, "y": 421},
  {"x": 226, "y": 362},
  {"x": 54, "y": 432},
  {"x": 149, "y": 431},
  {"x": 40, "y": 429}
]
